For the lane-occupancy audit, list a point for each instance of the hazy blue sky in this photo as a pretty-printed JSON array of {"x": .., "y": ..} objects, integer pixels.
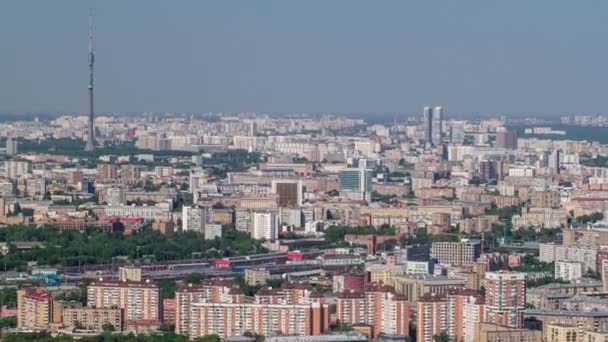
[{"x": 544, "y": 57}]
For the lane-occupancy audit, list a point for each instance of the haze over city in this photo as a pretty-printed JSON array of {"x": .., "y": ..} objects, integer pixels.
[
  {"x": 474, "y": 57},
  {"x": 303, "y": 171}
]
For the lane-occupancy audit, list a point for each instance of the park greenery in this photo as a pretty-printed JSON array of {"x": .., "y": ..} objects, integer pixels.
[
  {"x": 530, "y": 263},
  {"x": 73, "y": 248},
  {"x": 591, "y": 218},
  {"x": 8, "y": 297}
]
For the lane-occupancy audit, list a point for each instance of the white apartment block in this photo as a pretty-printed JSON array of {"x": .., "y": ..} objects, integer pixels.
[{"x": 568, "y": 270}]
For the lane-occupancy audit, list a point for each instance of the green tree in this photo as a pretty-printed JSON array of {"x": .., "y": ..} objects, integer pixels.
[
  {"x": 208, "y": 338},
  {"x": 443, "y": 337},
  {"x": 194, "y": 278}
]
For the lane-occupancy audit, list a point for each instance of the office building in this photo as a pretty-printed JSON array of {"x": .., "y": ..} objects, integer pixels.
[
  {"x": 265, "y": 225},
  {"x": 414, "y": 286},
  {"x": 505, "y": 298},
  {"x": 456, "y": 253},
  {"x": 427, "y": 121},
  {"x": 356, "y": 183},
  {"x": 193, "y": 219},
  {"x": 290, "y": 192},
  {"x": 33, "y": 308},
  {"x": 379, "y": 306}
]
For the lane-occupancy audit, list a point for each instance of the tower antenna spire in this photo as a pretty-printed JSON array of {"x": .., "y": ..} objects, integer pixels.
[{"x": 90, "y": 146}]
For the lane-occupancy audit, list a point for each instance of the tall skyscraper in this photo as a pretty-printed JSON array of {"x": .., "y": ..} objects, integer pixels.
[
  {"x": 427, "y": 119},
  {"x": 91, "y": 130},
  {"x": 437, "y": 126},
  {"x": 356, "y": 183}
]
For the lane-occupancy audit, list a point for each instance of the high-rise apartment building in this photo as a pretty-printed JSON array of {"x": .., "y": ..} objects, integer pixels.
[
  {"x": 35, "y": 186},
  {"x": 506, "y": 138},
  {"x": 140, "y": 301},
  {"x": 130, "y": 171},
  {"x": 193, "y": 219},
  {"x": 217, "y": 307},
  {"x": 265, "y": 225},
  {"x": 545, "y": 199},
  {"x": 505, "y": 298},
  {"x": 379, "y": 306},
  {"x": 96, "y": 319},
  {"x": 290, "y": 192},
  {"x": 107, "y": 172},
  {"x": 34, "y": 306},
  {"x": 456, "y": 312},
  {"x": 114, "y": 196},
  {"x": 213, "y": 291},
  {"x": 17, "y": 168},
  {"x": 11, "y": 146},
  {"x": 235, "y": 319},
  {"x": 356, "y": 183}
]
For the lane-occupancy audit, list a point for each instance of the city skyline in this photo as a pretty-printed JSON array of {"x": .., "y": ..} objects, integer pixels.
[{"x": 313, "y": 57}]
